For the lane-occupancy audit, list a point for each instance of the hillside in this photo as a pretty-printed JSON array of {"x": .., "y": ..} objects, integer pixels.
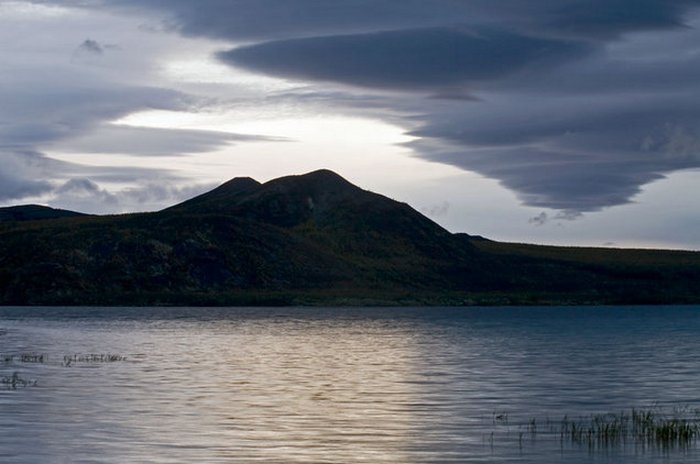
[
  {"x": 311, "y": 239},
  {"x": 33, "y": 213}
]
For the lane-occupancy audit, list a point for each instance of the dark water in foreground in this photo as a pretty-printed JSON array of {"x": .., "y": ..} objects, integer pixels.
[{"x": 334, "y": 384}]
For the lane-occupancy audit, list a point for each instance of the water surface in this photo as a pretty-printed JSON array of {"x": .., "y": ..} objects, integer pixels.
[{"x": 336, "y": 385}]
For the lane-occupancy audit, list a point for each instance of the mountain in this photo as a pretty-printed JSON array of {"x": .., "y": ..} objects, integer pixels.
[
  {"x": 326, "y": 209},
  {"x": 312, "y": 239},
  {"x": 34, "y": 212}
]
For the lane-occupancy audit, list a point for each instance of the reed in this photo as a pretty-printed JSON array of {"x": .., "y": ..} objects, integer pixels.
[
  {"x": 648, "y": 427},
  {"x": 12, "y": 382},
  {"x": 39, "y": 358},
  {"x": 69, "y": 360}
]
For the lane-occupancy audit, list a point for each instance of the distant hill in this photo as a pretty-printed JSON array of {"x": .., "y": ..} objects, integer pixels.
[
  {"x": 313, "y": 239},
  {"x": 34, "y": 212}
]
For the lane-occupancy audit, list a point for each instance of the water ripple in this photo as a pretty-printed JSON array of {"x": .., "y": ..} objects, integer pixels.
[{"x": 334, "y": 385}]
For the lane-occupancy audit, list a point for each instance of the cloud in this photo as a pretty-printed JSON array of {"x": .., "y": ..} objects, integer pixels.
[
  {"x": 543, "y": 218},
  {"x": 262, "y": 20},
  {"x": 574, "y": 105},
  {"x": 413, "y": 58},
  {"x": 85, "y": 195},
  {"x": 543, "y": 96},
  {"x": 77, "y": 191},
  {"x": 53, "y": 102},
  {"x": 13, "y": 187},
  {"x": 91, "y": 46},
  {"x": 539, "y": 220},
  {"x": 47, "y": 96},
  {"x": 576, "y": 153},
  {"x": 610, "y": 18},
  {"x": 436, "y": 210},
  {"x": 19, "y": 178},
  {"x": 90, "y": 51},
  {"x": 568, "y": 215},
  {"x": 30, "y": 174},
  {"x": 557, "y": 180},
  {"x": 277, "y": 19},
  {"x": 22, "y": 174},
  {"x": 148, "y": 141},
  {"x": 157, "y": 194}
]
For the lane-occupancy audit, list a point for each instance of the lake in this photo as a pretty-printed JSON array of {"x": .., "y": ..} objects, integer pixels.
[{"x": 340, "y": 385}]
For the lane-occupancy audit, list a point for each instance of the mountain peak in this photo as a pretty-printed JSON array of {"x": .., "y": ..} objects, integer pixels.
[
  {"x": 247, "y": 197},
  {"x": 325, "y": 175},
  {"x": 240, "y": 184},
  {"x": 221, "y": 198},
  {"x": 319, "y": 200},
  {"x": 322, "y": 180}
]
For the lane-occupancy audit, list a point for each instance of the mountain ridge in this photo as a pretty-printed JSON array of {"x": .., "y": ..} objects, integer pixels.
[{"x": 312, "y": 239}]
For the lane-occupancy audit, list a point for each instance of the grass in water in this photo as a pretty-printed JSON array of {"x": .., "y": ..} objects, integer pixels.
[
  {"x": 12, "y": 382},
  {"x": 679, "y": 428},
  {"x": 69, "y": 360},
  {"x": 24, "y": 358}
]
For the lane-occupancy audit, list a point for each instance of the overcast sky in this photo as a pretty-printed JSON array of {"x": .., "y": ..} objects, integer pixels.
[{"x": 567, "y": 122}]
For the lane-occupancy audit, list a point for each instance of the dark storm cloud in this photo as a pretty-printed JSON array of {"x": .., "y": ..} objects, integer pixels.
[
  {"x": 579, "y": 153},
  {"x": 609, "y": 18},
  {"x": 549, "y": 178},
  {"x": 277, "y": 19},
  {"x": 572, "y": 104},
  {"x": 613, "y": 77},
  {"x": 414, "y": 58},
  {"x": 262, "y": 20},
  {"x": 650, "y": 123}
]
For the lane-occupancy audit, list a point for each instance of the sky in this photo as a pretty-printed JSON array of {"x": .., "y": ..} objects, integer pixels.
[{"x": 575, "y": 122}]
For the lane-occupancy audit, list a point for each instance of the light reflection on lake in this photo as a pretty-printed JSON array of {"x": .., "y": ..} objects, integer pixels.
[{"x": 336, "y": 384}]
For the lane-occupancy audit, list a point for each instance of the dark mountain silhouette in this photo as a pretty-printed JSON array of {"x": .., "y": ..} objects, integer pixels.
[
  {"x": 312, "y": 239},
  {"x": 333, "y": 213},
  {"x": 34, "y": 212}
]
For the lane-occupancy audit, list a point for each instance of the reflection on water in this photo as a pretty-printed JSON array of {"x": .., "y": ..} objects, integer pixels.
[{"x": 335, "y": 385}]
